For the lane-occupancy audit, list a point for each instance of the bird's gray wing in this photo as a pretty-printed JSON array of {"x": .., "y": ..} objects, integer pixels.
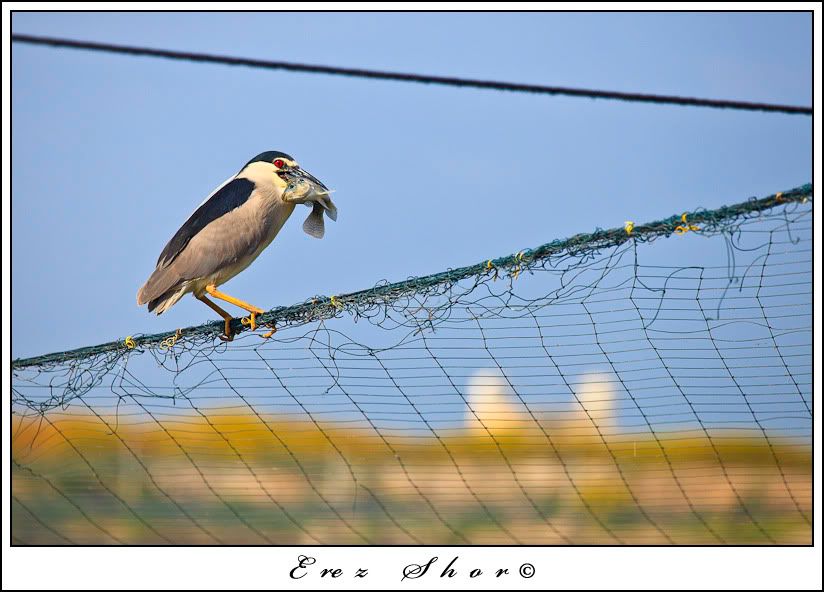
[
  {"x": 170, "y": 272},
  {"x": 228, "y": 197},
  {"x": 229, "y": 243}
]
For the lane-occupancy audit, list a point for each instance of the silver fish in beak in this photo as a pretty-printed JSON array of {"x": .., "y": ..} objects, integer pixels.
[{"x": 303, "y": 188}]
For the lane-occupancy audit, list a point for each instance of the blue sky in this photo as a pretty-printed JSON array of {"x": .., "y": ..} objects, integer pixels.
[{"x": 112, "y": 153}]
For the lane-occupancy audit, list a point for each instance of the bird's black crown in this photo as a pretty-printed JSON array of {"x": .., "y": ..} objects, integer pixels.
[{"x": 268, "y": 157}]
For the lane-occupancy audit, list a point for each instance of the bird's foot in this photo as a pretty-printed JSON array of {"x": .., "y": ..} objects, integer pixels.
[
  {"x": 268, "y": 334},
  {"x": 250, "y": 321},
  {"x": 228, "y": 334}
]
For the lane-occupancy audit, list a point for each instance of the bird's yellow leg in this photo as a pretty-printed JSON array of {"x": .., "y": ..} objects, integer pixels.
[
  {"x": 253, "y": 310},
  {"x": 227, "y": 318}
]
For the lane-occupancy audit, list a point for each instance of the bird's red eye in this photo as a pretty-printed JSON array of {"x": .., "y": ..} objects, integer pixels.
[{"x": 278, "y": 163}]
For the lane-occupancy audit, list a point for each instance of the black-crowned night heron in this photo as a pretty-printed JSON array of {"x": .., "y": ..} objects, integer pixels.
[{"x": 230, "y": 229}]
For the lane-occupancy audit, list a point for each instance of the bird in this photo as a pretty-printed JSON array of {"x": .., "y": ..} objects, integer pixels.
[{"x": 230, "y": 229}]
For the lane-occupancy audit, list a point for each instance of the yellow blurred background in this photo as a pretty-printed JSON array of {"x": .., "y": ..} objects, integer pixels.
[{"x": 505, "y": 476}]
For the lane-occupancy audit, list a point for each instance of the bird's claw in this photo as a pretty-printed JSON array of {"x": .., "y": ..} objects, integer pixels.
[
  {"x": 228, "y": 334},
  {"x": 249, "y": 321}
]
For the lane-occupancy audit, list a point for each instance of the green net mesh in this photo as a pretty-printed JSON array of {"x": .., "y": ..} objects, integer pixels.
[{"x": 607, "y": 388}]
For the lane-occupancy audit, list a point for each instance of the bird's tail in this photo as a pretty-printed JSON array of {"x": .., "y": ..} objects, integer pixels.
[
  {"x": 166, "y": 300},
  {"x": 161, "y": 290}
]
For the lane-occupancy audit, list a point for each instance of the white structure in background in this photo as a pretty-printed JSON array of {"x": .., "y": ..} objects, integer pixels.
[
  {"x": 596, "y": 407},
  {"x": 492, "y": 405}
]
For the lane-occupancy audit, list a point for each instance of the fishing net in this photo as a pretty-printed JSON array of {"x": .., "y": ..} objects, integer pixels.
[{"x": 646, "y": 384}]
